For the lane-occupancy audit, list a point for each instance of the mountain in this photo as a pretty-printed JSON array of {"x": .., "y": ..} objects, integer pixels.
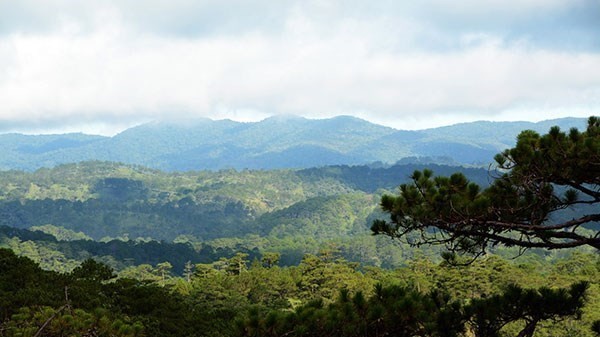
[
  {"x": 34, "y": 151},
  {"x": 276, "y": 142}
]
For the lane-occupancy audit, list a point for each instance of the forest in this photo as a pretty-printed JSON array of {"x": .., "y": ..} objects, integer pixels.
[
  {"x": 324, "y": 295},
  {"x": 107, "y": 249},
  {"x": 91, "y": 205}
]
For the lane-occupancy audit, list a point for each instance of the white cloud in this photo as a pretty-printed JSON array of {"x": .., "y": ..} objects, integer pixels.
[{"x": 101, "y": 68}]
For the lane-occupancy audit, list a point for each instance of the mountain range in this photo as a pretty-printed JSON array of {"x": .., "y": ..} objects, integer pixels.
[{"x": 276, "y": 142}]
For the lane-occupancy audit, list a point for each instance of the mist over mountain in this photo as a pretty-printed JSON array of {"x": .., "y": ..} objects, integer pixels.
[{"x": 276, "y": 142}]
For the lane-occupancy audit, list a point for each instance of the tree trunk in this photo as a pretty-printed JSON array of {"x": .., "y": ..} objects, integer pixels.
[{"x": 529, "y": 329}]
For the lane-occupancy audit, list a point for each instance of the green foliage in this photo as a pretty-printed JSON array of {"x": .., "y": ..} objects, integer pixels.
[
  {"x": 84, "y": 300},
  {"x": 399, "y": 311},
  {"x": 63, "y": 255},
  {"x": 61, "y": 233},
  {"x": 322, "y": 217},
  {"x": 489, "y": 315},
  {"x": 270, "y": 259},
  {"x": 544, "y": 176},
  {"x": 323, "y": 295},
  {"x": 321, "y": 275},
  {"x": 93, "y": 271},
  {"x": 31, "y": 321}
]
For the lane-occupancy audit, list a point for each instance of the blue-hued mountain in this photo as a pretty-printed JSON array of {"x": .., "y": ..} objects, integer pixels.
[{"x": 276, "y": 142}]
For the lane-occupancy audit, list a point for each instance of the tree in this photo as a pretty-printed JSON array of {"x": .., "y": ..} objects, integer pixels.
[
  {"x": 46, "y": 321},
  {"x": 94, "y": 271},
  {"x": 270, "y": 259},
  {"x": 489, "y": 315},
  {"x": 540, "y": 179},
  {"x": 164, "y": 269},
  {"x": 188, "y": 271},
  {"x": 237, "y": 264},
  {"x": 391, "y": 311}
]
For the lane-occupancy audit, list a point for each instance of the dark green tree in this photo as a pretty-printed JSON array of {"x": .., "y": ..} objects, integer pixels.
[
  {"x": 391, "y": 311},
  {"x": 539, "y": 178},
  {"x": 93, "y": 271},
  {"x": 489, "y": 315},
  {"x": 48, "y": 322}
]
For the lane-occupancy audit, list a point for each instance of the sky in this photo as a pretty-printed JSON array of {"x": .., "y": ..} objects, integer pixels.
[{"x": 100, "y": 66}]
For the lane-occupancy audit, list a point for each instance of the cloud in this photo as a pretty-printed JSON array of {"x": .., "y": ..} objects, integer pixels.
[{"x": 397, "y": 64}]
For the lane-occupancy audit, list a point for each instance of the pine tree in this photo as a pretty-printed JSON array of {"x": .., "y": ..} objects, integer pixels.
[{"x": 540, "y": 177}]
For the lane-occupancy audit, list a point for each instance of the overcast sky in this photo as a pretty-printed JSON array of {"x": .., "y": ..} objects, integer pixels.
[{"x": 100, "y": 66}]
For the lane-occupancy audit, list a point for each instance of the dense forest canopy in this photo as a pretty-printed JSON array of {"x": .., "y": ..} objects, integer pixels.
[{"x": 321, "y": 296}]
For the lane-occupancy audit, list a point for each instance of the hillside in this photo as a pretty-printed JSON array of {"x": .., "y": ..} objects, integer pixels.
[
  {"x": 291, "y": 211},
  {"x": 276, "y": 142}
]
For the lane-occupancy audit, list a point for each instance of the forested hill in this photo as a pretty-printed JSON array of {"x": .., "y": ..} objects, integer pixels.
[
  {"x": 276, "y": 142},
  {"x": 109, "y": 199},
  {"x": 289, "y": 211}
]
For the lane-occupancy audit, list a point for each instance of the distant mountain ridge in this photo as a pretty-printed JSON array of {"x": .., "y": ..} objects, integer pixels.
[{"x": 276, "y": 142}]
